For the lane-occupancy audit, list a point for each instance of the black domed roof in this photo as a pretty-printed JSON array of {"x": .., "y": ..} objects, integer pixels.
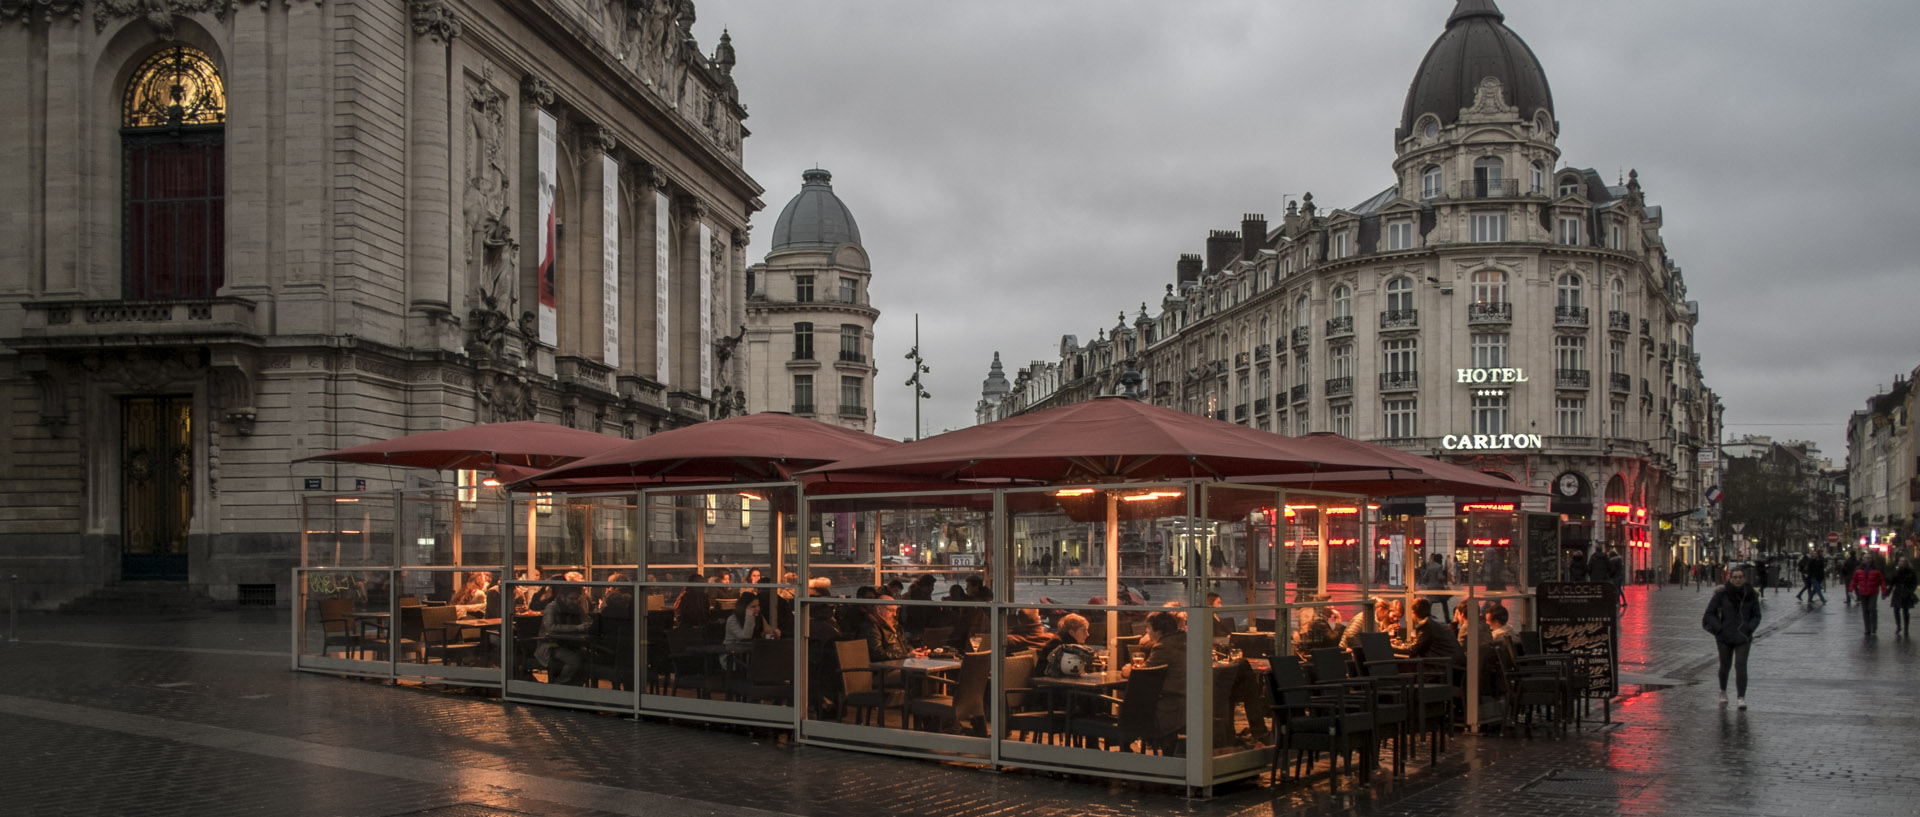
[
  {"x": 1477, "y": 44},
  {"x": 816, "y": 218}
]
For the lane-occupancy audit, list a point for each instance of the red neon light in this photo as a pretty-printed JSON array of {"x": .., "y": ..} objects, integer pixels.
[
  {"x": 1497, "y": 507},
  {"x": 1619, "y": 508},
  {"x": 1342, "y": 511},
  {"x": 1640, "y": 512}
]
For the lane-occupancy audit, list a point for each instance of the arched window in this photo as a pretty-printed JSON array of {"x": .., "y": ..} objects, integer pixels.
[
  {"x": 1266, "y": 333},
  {"x": 1570, "y": 185},
  {"x": 1488, "y": 171},
  {"x": 1400, "y": 296},
  {"x": 1567, "y": 291},
  {"x": 1300, "y": 312},
  {"x": 173, "y": 213},
  {"x": 1616, "y": 295},
  {"x": 1342, "y": 301},
  {"x": 1537, "y": 176},
  {"x": 1490, "y": 287},
  {"x": 1430, "y": 182}
]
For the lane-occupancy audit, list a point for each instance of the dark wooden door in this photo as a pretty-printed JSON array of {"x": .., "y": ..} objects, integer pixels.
[{"x": 156, "y": 487}]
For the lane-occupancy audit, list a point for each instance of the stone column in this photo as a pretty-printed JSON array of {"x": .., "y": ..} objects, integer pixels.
[
  {"x": 302, "y": 191},
  {"x": 19, "y": 191},
  {"x": 430, "y": 198},
  {"x": 249, "y": 168},
  {"x": 65, "y": 140},
  {"x": 691, "y": 251}
]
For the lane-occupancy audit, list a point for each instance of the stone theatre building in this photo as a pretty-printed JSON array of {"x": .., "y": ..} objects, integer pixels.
[
  {"x": 1495, "y": 306},
  {"x": 233, "y": 234}
]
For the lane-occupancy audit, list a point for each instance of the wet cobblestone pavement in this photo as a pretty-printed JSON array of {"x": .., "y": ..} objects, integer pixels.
[{"x": 201, "y": 715}]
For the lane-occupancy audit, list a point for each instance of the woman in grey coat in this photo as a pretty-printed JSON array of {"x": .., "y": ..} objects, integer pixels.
[{"x": 1733, "y": 616}]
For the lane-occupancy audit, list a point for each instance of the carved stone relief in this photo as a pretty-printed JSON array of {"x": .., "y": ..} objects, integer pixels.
[
  {"x": 505, "y": 397},
  {"x": 492, "y": 254},
  {"x": 435, "y": 19}
]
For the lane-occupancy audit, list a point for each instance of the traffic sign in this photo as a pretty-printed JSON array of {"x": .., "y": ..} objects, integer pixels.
[{"x": 1833, "y": 537}]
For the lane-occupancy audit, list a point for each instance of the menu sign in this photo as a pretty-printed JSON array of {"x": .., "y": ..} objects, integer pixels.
[{"x": 1577, "y": 619}]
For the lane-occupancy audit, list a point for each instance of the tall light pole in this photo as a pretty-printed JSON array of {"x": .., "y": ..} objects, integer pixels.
[{"x": 919, "y": 368}]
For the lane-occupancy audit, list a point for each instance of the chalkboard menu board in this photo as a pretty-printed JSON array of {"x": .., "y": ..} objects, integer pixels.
[
  {"x": 1577, "y": 619},
  {"x": 1543, "y": 548}
]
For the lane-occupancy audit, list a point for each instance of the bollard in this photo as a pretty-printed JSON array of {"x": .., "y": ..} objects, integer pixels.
[{"x": 13, "y": 607}]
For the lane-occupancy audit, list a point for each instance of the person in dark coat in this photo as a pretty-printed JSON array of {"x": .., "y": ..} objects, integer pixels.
[
  {"x": 1733, "y": 615},
  {"x": 1431, "y": 638},
  {"x": 1902, "y": 588}
]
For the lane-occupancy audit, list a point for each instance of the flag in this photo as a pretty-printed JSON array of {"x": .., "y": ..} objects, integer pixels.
[{"x": 1714, "y": 494}]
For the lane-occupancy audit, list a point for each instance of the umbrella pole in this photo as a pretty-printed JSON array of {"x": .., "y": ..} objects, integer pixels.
[
  {"x": 1115, "y": 659},
  {"x": 1323, "y": 547},
  {"x": 531, "y": 563},
  {"x": 700, "y": 543},
  {"x": 779, "y": 543},
  {"x": 457, "y": 520}
]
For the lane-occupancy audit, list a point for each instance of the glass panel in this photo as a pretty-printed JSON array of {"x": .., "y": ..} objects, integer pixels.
[
  {"x": 352, "y": 530},
  {"x": 570, "y": 633},
  {"x": 343, "y": 612}
]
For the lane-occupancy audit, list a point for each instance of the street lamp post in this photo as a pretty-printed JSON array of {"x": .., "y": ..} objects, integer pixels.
[{"x": 919, "y": 368}]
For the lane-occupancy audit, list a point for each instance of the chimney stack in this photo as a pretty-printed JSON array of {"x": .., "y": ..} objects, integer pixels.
[
  {"x": 1253, "y": 235},
  {"x": 1222, "y": 246},
  {"x": 1187, "y": 270}
]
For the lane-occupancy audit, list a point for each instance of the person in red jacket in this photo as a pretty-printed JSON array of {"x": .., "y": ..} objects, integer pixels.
[{"x": 1868, "y": 584}]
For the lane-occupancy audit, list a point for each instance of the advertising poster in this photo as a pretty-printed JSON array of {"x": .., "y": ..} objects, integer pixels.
[
  {"x": 662, "y": 360},
  {"x": 610, "y": 258},
  {"x": 706, "y": 311},
  {"x": 549, "y": 299}
]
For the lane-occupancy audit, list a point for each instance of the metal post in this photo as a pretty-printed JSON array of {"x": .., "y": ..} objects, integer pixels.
[{"x": 13, "y": 608}]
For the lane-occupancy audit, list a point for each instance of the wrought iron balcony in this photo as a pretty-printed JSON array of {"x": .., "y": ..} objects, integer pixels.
[
  {"x": 852, "y": 410},
  {"x": 1337, "y": 386},
  {"x": 1301, "y": 335},
  {"x": 1490, "y": 189},
  {"x": 1400, "y": 319},
  {"x": 1298, "y": 394},
  {"x": 1646, "y": 328},
  {"x": 1220, "y": 414},
  {"x": 1490, "y": 313},
  {"x": 1619, "y": 321},
  {"x": 1163, "y": 388},
  {"x": 803, "y": 408},
  {"x": 1240, "y": 413},
  {"x": 1621, "y": 382},
  {"x": 1262, "y": 352},
  {"x": 1342, "y": 325},
  {"x": 1572, "y": 378},
  {"x": 1241, "y": 359},
  {"x": 1569, "y": 316},
  {"x": 852, "y": 357},
  {"x": 1260, "y": 406},
  {"x": 1399, "y": 381}
]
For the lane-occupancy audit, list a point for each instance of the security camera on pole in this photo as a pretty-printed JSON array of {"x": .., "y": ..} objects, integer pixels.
[{"x": 919, "y": 368}]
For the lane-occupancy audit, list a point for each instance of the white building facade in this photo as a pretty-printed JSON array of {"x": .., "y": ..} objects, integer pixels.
[{"x": 1494, "y": 307}]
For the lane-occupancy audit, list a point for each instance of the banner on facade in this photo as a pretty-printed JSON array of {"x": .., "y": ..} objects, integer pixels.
[
  {"x": 662, "y": 360},
  {"x": 610, "y": 259},
  {"x": 549, "y": 297},
  {"x": 706, "y": 311}
]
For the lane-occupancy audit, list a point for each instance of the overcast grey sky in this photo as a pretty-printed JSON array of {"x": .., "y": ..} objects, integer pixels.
[{"x": 1026, "y": 169}]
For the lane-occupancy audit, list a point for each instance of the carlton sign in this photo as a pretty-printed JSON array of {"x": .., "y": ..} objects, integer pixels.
[
  {"x": 1481, "y": 376},
  {"x": 1476, "y": 442}
]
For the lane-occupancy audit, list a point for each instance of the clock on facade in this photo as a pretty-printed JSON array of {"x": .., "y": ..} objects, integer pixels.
[{"x": 1569, "y": 485}]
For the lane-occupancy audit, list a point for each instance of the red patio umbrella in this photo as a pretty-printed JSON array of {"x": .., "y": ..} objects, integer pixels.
[
  {"x": 525, "y": 443},
  {"x": 763, "y": 447},
  {"x": 1108, "y": 438}
]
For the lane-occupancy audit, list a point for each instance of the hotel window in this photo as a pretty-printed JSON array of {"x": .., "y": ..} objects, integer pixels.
[
  {"x": 1400, "y": 356},
  {"x": 850, "y": 395},
  {"x": 1616, "y": 295},
  {"x": 1570, "y": 185},
  {"x": 1300, "y": 428},
  {"x": 1489, "y": 287},
  {"x": 1400, "y": 295},
  {"x": 1616, "y": 237},
  {"x": 1617, "y": 419},
  {"x": 1490, "y": 412},
  {"x": 1489, "y": 350},
  {"x": 1402, "y": 419},
  {"x": 1340, "y": 245},
  {"x": 1569, "y": 352},
  {"x": 1342, "y": 359},
  {"x": 1341, "y": 419},
  {"x": 1567, "y": 291},
  {"x": 1570, "y": 416},
  {"x": 849, "y": 291},
  {"x": 1400, "y": 235},
  {"x": 1488, "y": 174},
  {"x": 803, "y": 340},
  {"x": 1430, "y": 182},
  {"x": 1488, "y": 227},
  {"x": 850, "y": 343},
  {"x": 1617, "y": 357},
  {"x": 803, "y": 394},
  {"x": 1537, "y": 175},
  {"x": 803, "y": 288},
  {"x": 1570, "y": 230}
]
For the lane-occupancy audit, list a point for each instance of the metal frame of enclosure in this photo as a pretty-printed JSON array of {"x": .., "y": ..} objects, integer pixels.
[{"x": 373, "y": 564}]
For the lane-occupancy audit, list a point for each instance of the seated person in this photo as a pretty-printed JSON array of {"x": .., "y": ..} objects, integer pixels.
[
  {"x": 1316, "y": 632},
  {"x": 1073, "y": 630},
  {"x": 1024, "y": 631},
  {"x": 471, "y": 598},
  {"x": 692, "y": 608},
  {"x": 1166, "y": 646},
  {"x": 884, "y": 639},
  {"x": 563, "y": 630},
  {"x": 743, "y": 626},
  {"x": 1431, "y": 637},
  {"x": 1385, "y": 612},
  {"x": 1496, "y": 615}
]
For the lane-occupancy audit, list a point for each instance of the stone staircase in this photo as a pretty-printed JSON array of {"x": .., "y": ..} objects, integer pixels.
[{"x": 133, "y": 598}]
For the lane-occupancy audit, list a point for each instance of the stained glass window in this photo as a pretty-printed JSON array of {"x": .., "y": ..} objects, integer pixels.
[{"x": 178, "y": 86}]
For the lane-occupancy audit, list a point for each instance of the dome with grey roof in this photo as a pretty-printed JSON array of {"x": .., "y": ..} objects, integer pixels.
[
  {"x": 815, "y": 218},
  {"x": 1477, "y": 44}
]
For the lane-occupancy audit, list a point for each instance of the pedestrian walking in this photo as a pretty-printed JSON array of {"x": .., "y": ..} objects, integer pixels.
[
  {"x": 1847, "y": 567},
  {"x": 1433, "y": 576},
  {"x": 1902, "y": 587},
  {"x": 1868, "y": 584},
  {"x": 1733, "y": 615},
  {"x": 1817, "y": 579}
]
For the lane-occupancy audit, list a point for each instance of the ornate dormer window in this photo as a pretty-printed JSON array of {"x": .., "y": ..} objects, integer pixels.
[{"x": 173, "y": 123}]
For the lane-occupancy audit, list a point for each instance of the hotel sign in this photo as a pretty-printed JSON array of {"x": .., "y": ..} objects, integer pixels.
[
  {"x": 1477, "y": 442},
  {"x": 1484, "y": 376}
]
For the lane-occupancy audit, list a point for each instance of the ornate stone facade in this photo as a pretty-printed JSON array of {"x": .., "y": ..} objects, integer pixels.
[{"x": 359, "y": 264}]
